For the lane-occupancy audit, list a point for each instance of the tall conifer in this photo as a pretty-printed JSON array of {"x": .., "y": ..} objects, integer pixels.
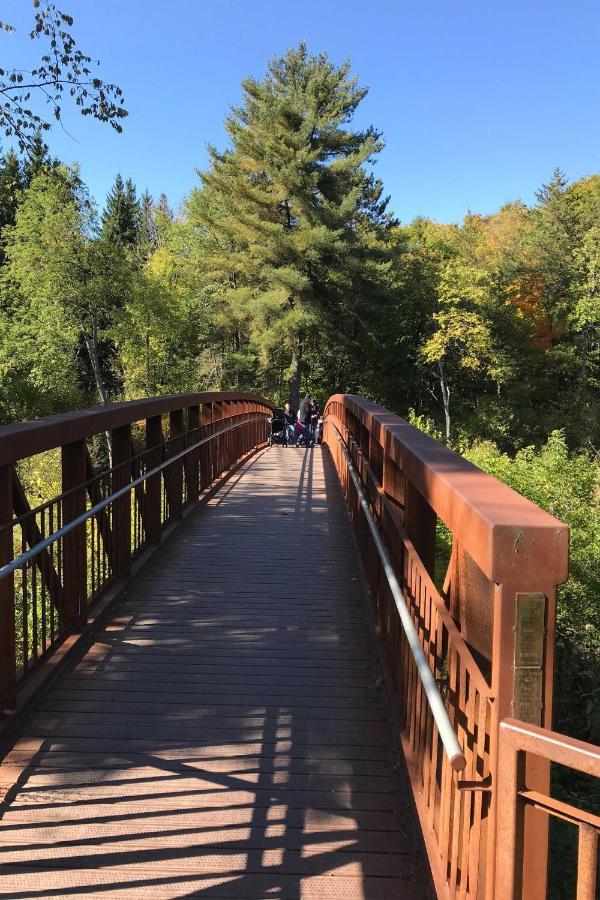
[
  {"x": 294, "y": 213},
  {"x": 11, "y": 183},
  {"x": 121, "y": 216}
]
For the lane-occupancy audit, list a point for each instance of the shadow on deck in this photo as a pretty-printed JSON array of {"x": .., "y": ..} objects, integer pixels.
[{"x": 227, "y": 733}]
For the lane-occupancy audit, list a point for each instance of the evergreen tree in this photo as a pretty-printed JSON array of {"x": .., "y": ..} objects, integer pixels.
[
  {"x": 295, "y": 217},
  {"x": 147, "y": 231},
  {"x": 164, "y": 208},
  {"x": 37, "y": 159},
  {"x": 556, "y": 236},
  {"x": 121, "y": 216},
  {"x": 11, "y": 184}
]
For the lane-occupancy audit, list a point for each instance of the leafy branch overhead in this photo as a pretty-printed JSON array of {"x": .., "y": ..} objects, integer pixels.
[{"x": 63, "y": 72}]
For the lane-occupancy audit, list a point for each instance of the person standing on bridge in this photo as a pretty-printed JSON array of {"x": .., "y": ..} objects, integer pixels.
[
  {"x": 290, "y": 419},
  {"x": 304, "y": 411},
  {"x": 308, "y": 415}
]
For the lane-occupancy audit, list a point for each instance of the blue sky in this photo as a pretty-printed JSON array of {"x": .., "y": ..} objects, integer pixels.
[{"x": 478, "y": 102}]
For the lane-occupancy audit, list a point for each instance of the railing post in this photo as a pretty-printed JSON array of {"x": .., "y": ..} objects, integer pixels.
[
  {"x": 531, "y": 701},
  {"x": 74, "y": 552},
  {"x": 420, "y": 522},
  {"x": 121, "y": 532},
  {"x": 175, "y": 470},
  {"x": 154, "y": 444},
  {"x": 8, "y": 650},
  {"x": 225, "y": 407},
  {"x": 217, "y": 445},
  {"x": 205, "y": 450},
  {"x": 509, "y": 846},
  {"x": 192, "y": 460}
]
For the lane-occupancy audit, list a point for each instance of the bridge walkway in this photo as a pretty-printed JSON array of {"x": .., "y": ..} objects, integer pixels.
[{"x": 227, "y": 733}]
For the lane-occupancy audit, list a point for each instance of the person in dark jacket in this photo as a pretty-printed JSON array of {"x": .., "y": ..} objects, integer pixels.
[
  {"x": 304, "y": 411},
  {"x": 290, "y": 419},
  {"x": 308, "y": 415}
]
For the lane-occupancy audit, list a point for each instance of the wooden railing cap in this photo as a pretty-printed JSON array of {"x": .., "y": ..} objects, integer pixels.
[
  {"x": 25, "y": 439},
  {"x": 497, "y": 526}
]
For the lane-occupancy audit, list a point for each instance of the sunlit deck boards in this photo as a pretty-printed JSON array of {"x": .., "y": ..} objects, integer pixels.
[{"x": 227, "y": 734}]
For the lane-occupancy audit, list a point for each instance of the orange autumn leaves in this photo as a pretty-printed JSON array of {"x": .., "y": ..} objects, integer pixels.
[{"x": 526, "y": 293}]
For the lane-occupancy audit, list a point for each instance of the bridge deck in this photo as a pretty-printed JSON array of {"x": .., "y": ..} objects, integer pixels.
[{"x": 227, "y": 734}]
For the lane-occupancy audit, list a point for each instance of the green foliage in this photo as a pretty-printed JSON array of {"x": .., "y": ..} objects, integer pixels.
[
  {"x": 62, "y": 66},
  {"x": 293, "y": 221},
  {"x": 424, "y": 423},
  {"x": 121, "y": 219},
  {"x": 507, "y": 312},
  {"x": 62, "y": 287},
  {"x": 568, "y": 486}
]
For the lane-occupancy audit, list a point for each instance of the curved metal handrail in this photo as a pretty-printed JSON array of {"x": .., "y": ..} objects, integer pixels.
[
  {"x": 38, "y": 548},
  {"x": 445, "y": 729}
]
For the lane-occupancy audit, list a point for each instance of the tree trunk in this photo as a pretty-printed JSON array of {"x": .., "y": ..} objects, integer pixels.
[
  {"x": 91, "y": 344},
  {"x": 295, "y": 376},
  {"x": 445, "y": 399},
  {"x": 148, "y": 362}
]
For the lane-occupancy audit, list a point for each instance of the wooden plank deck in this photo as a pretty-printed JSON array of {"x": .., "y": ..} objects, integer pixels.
[{"x": 227, "y": 734}]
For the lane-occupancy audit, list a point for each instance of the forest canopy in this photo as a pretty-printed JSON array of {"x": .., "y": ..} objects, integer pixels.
[{"x": 285, "y": 272}]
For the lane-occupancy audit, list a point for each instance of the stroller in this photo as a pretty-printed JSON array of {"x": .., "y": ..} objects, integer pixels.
[
  {"x": 305, "y": 435},
  {"x": 279, "y": 433}
]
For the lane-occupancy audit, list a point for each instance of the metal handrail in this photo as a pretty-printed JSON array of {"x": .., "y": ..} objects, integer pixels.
[
  {"x": 434, "y": 698},
  {"x": 98, "y": 507}
]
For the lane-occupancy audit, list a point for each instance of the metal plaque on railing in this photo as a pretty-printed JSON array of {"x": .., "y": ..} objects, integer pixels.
[{"x": 530, "y": 635}]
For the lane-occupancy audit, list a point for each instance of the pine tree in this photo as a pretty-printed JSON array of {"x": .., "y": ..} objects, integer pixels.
[
  {"x": 121, "y": 216},
  {"x": 147, "y": 230},
  {"x": 294, "y": 216},
  {"x": 11, "y": 183},
  {"x": 37, "y": 159},
  {"x": 164, "y": 208}
]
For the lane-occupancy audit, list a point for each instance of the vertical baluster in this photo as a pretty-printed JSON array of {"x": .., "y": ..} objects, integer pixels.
[
  {"x": 104, "y": 541},
  {"x": 480, "y": 770},
  {"x": 587, "y": 863},
  {"x": 35, "y": 637},
  {"x": 44, "y": 621},
  {"x": 455, "y": 685},
  {"x": 465, "y": 735},
  {"x": 74, "y": 581},
  {"x": 422, "y": 707},
  {"x": 192, "y": 460},
  {"x": 427, "y": 746},
  {"x": 7, "y": 594},
  {"x": 121, "y": 476},
  {"x": 205, "y": 450},
  {"x": 445, "y": 827},
  {"x": 176, "y": 469},
  {"x": 24, "y": 607},
  {"x": 431, "y": 771},
  {"x": 92, "y": 569},
  {"x": 51, "y": 604},
  {"x": 153, "y": 501}
]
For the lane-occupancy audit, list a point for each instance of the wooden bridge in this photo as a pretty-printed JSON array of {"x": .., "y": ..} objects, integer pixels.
[{"x": 229, "y": 670}]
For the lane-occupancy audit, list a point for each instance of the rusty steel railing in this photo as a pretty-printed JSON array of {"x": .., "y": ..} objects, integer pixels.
[
  {"x": 487, "y": 631},
  {"x": 441, "y": 720},
  {"x": 516, "y": 796},
  {"x": 61, "y": 557}
]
